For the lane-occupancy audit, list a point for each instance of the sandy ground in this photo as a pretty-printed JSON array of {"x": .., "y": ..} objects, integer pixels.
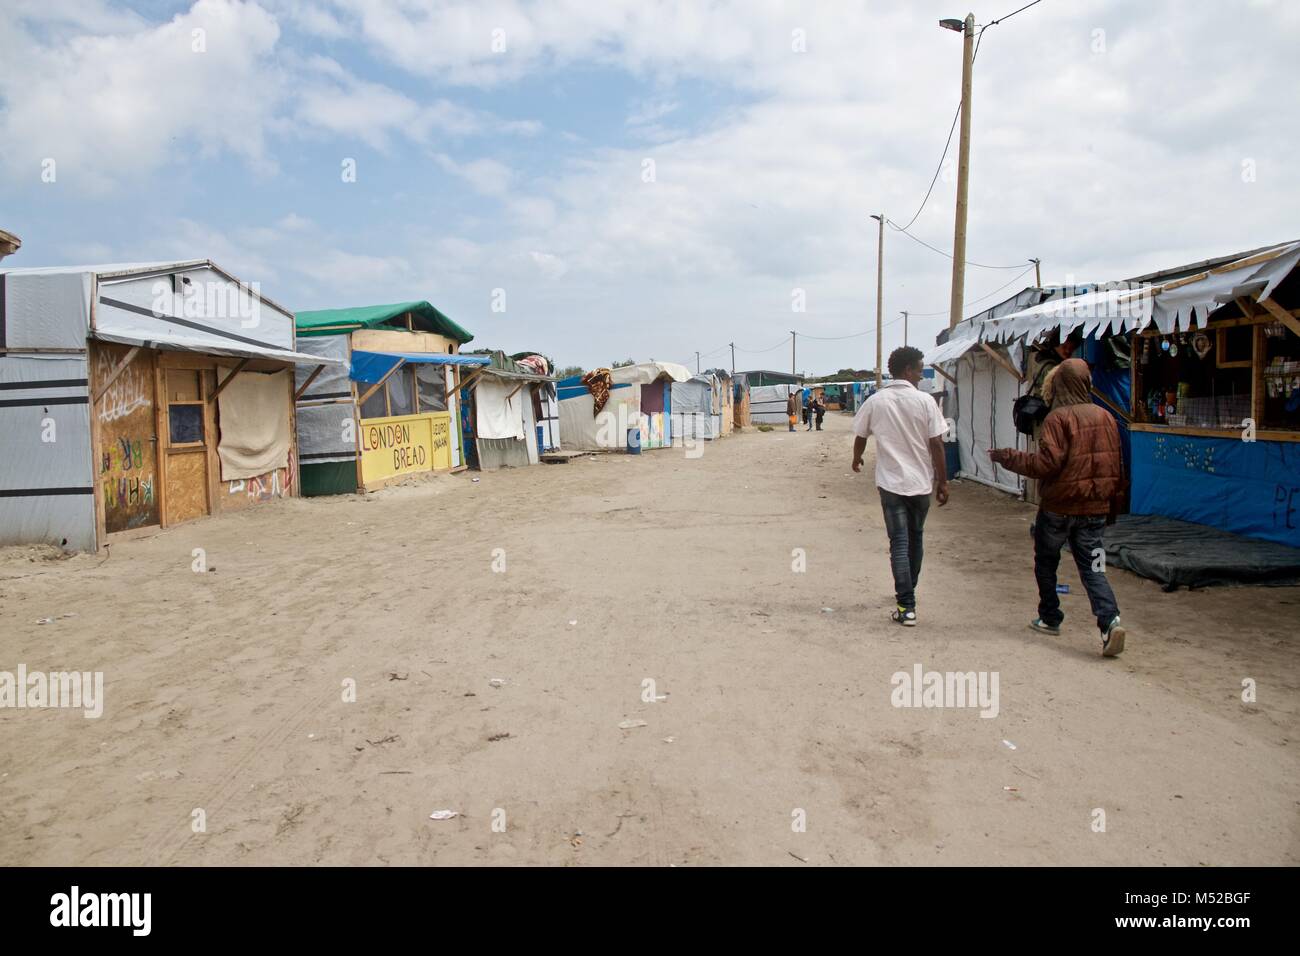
[{"x": 224, "y": 689}]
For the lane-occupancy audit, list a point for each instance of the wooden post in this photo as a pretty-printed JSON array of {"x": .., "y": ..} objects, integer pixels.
[
  {"x": 963, "y": 178},
  {"x": 221, "y": 386}
]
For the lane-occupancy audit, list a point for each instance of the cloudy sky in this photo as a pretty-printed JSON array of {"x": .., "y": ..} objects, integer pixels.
[{"x": 645, "y": 179}]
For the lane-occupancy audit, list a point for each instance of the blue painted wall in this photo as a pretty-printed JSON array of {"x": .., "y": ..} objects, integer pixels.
[{"x": 1252, "y": 488}]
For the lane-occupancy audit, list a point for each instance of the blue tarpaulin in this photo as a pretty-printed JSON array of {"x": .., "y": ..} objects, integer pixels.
[
  {"x": 373, "y": 366},
  {"x": 1248, "y": 487}
]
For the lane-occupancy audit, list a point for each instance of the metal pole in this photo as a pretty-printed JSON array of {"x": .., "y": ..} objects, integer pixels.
[
  {"x": 880, "y": 289},
  {"x": 963, "y": 179},
  {"x": 697, "y": 363}
]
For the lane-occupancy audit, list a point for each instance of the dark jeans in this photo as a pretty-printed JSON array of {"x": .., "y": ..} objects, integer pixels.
[
  {"x": 904, "y": 523},
  {"x": 1084, "y": 534}
]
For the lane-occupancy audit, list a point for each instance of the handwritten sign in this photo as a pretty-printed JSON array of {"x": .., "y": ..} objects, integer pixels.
[{"x": 404, "y": 445}]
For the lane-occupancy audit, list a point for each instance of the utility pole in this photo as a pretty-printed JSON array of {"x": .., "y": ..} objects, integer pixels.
[
  {"x": 904, "y": 328},
  {"x": 963, "y": 177},
  {"x": 1038, "y": 272},
  {"x": 880, "y": 289},
  {"x": 793, "y": 335},
  {"x": 733, "y": 358},
  {"x": 697, "y": 363}
]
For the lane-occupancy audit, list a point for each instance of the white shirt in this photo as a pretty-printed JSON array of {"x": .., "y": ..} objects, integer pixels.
[{"x": 903, "y": 419}]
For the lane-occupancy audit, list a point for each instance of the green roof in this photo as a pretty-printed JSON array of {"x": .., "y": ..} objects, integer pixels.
[{"x": 334, "y": 321}]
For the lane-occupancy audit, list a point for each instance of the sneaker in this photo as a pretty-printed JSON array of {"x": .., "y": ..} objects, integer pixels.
[
  {"x": 1112, "y": 639},
  {"x": 904, "y": 616},
  {"x": 1038, "y": 624}
]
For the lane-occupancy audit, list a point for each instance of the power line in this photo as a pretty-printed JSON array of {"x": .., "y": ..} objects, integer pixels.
[
  {"x": 761, "y": 351},
  {"x": 988, "y": 295},
  {"x": 836, "y": 338},
  {"x": 956, "y": 115},
  {"x": 979, "y": 265}
]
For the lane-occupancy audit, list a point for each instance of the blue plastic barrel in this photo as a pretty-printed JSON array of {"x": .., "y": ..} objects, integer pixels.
[{"x": 634, "y": 440}]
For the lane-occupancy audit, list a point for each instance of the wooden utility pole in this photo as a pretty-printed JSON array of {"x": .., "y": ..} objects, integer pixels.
[
  {"x": 880, "y": 289},
  {"x": 1038, "y": 272},
  {"x": 963, "y": 178},
  {"x": 697, "y": 363},
  {"x": 733, "y": 358},
  {"x": 793, "y": 335},
  {"x": 904, "y": 328}
]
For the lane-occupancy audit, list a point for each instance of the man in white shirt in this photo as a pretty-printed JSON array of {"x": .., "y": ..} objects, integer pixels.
[{"x": 909, "y": 457}]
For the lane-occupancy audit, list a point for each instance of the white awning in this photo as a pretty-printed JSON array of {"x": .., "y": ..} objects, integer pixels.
[
  {"x": 1172, "y": 305},
  {"x": 172, "y": 343}
]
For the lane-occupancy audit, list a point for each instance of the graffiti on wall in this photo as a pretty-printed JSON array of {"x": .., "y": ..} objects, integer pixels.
[
  {"x": 129, "y": 391},
  {"x": 126, "y": 485}
]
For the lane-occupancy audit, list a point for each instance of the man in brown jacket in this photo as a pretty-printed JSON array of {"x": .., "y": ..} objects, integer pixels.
[{"x": 1080, "y": 469}]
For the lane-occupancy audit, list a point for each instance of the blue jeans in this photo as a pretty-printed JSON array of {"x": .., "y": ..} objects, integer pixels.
[
  {"x": 904, "y": 523},
  {"x": 1084, "y": 534}
]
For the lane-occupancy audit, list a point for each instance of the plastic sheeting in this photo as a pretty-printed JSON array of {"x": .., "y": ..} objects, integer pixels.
[
  {"x": 643, "y": 373},
  {"x": 47, "y": 478},
  {"x": 581, "y": 430},
  {"x": 981, "y": 410},
  {"x": 1183, "y": 554},
  {"x": 497, "y": 409},
  {"x": 1248, "y": 488},
  {"x": 1172, "y": 306},
  {"x": 326, "y": 413},
  {"x": 767, "y": 403},
  {"x": 45, "y": 310},
  {"x": 694, "y": 409}
]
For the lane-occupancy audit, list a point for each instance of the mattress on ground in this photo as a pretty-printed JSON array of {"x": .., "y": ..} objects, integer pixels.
[{"x": 1182, "y": 554}]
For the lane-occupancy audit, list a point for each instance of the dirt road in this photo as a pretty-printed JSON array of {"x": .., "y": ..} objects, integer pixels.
[{"x": 225, "y": 689}]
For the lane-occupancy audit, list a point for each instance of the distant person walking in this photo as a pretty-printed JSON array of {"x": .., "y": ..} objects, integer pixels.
[
  {"x": 1080, "y": 470},
  {"x": 909, "y": 464},
  {"x": 792, "y": 407},
  {"x": 820, "y": 410}
]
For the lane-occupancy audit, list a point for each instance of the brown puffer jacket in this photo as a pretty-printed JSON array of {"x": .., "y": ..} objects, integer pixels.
[{"x": 1078, "y": 463}]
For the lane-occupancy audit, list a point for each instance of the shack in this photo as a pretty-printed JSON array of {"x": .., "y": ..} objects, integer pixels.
[{"x": 135, "y": 397}]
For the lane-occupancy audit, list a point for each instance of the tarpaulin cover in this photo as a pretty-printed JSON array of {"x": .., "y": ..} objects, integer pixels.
[
  {"x": 1249, "y": 488},
  {"x": 1183, "y": 554},
  {"x": 767, "y": 403},
  {"x": 373, "y": 366},
  {"x": 643, "y": 373},
  {"x": 254, "y": 422},
  {"x": 46, "y": 487},
  {"x": 333, "y": 321},
  {"x": 498, "y": 410}
]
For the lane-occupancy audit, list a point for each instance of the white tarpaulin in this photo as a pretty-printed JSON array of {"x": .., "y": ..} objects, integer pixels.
[
  {"x": 253, "y": 417},
  {"x": 643, "y": 373},
  {"x": 497, "y": 411},
  {"x": 1171, "y": 305}
]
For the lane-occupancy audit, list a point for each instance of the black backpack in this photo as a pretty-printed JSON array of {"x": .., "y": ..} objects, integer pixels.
[{"x": 1028, "y": 411}]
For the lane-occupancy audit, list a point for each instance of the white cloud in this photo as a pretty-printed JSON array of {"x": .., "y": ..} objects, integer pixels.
[
  {"x": 124, "y": 103},
  {"x": 486, "y": 176}
]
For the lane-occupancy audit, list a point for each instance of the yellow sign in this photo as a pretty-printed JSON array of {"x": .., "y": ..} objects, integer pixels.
[{"x": 405, "y": 445}]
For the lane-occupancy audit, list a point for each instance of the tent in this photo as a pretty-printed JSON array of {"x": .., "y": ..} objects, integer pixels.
[
  {"x": 502, "y": 418},
  {"x": 640, "y": 397},
  {"x": 387, "y": 413},
  {"x": 700, "y": 407},
  {"x": 986, "y": 381},
  {"x": 767, "y": 403},
  {"x": 134, "y": 397}
]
